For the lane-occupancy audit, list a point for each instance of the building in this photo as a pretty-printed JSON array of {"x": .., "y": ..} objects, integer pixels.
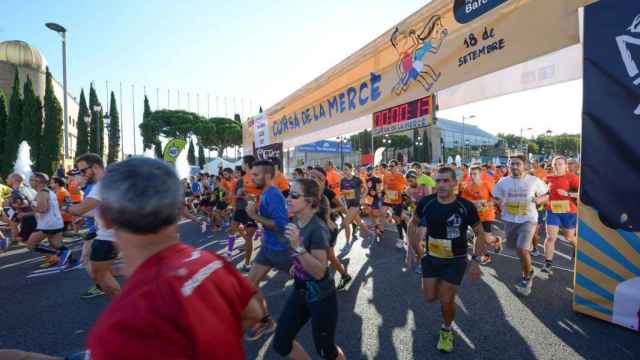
[
  {"x": 455, "y": 134},
  {"x": 32, "y": 64}
]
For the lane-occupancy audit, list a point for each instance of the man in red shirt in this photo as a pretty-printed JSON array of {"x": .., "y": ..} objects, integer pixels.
[{"x": 179, "y": 302}]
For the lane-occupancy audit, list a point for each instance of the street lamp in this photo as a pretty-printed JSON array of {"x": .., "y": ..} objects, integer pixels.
[
  {"x": 419, "y": 143},
  {"x": 63, "y": 34},
  {"x": 522, "y": 130},
  {"x": 97, "y": 109},
  {"x": 463, "y": 128},
  {"x": 549, "y": 132}
]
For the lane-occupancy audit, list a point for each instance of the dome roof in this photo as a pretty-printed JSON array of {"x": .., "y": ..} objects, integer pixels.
[{"x": 22, "y": 54}]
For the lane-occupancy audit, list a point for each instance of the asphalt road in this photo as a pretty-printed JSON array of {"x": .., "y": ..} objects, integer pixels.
[{"x": 382, "y": 315}]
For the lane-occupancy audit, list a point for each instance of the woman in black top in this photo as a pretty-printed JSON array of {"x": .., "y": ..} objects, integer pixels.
[
  {"x": 329, "y": 206},
  {"x": 314, "y": 294}
]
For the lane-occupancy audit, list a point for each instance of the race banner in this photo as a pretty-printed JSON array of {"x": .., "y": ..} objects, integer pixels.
[
  {"x": 412, "y": 115},
  {"x": 607, "y": 281},
  {"x": 269, "y": 151},
  {"x": 173, "y": 149},
  {"x": 326, "y": 146},
  {"x": 445, "y": 43}
]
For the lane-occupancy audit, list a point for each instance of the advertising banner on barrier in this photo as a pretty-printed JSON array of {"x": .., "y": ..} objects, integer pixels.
[
  {"x": 270, "y": 151},
  {"x": 173, "y": 149},
  {"x": 445, "y": 43},
  {"x": 412, "y": 115},
  {"x": 607, "y": 282}
]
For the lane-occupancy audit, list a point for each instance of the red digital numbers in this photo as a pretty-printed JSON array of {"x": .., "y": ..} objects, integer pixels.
[{"x": 402, "y": 113}]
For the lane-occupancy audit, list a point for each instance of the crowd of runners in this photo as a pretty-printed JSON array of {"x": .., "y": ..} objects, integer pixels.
[{"x": 181, "y": 302}]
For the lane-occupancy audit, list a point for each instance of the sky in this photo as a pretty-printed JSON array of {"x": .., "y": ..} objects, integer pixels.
[{"x": 256, "y": 52}]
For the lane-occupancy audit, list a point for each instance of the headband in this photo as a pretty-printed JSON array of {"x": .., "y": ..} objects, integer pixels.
[{"x": 318, "y": 174}]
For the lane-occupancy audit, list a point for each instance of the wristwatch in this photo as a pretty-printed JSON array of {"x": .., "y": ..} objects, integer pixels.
[{"x": 299, "y": 250}]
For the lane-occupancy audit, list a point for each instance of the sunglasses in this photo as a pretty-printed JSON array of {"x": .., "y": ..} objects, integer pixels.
[
  {"x": 443, "y": 180},
  {"x": 295, "y": 195},
  {"x": 83, "y": 170}
]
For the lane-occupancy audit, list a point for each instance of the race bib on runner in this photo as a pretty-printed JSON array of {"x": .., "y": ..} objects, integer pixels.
[
  {"x": 349, "y": 194},
  {"x": 517, "y": 208},
  {"x": 440, "y": 248},
  {"x": 560, "y": 206},
  {"x": 391, "y": 196}
]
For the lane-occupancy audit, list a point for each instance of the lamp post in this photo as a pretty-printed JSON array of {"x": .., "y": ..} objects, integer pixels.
[
  {"x": 549, "y": 132},
  {"x": 386, "y": 141},
  {"x": 463, "y": 129},
  {"x": 522, "y": 130},
  {"x": 419, "y": 144},
  {"x": 63, "y": 34}
]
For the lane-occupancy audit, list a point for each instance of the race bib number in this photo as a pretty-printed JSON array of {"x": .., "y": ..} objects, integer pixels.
[
  {"x": 440, "y": 248},
  {"x": 391, "y": 196},
  {"x": 349, "y": 194},
  {"x": 560, "y": 206},
  {"x": 517, "y": 208}
]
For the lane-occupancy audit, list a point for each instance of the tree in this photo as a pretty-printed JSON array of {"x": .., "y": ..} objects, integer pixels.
[
  {"x": 97, "y": 124},
  {"x": 32, "y": 122},
  {"x": 191, "y": 154},
  {"x": 3, "y": 126},
  {"x": 148, "y": 132},
  {"x": 219, "y": 134},
  {"x": 171, "y": 124},
  {"x": 13, "y": 134},
  {"x": 52, "y": 134},
  {"x": 158, "y": 149},
  {"x": 201, "y": 158},
  {"x": 114, "y": 131},
  {"x": 82, "y": 142}
]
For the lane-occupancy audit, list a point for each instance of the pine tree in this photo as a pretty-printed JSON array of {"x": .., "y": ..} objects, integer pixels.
[
  {"x": 97, "y": 124},
  {"x": 32, "y": 122},
  {"x": 147, "y": 140},
  {"x": 51, "y": 144},
  {"x": 191, "y": 155},
  {"x": 82, "y": 143},
  {"x": 201, "y": 158},
  {"x": 3, "y": 128},
  {"x": 114, "y": 131},
  {"x": 13, "y": 134},
  {"x": 158, "y": 149}
]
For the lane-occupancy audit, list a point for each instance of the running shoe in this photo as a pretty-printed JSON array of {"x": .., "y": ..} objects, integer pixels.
[
  {"x": 266, "y": 326},
  {"x": 92, "y": 292},
  {"x": 547, "y": 269},
  {"x": 400, "y": 244},
  {"x": 498, "y": 246},
  {"x": 344, "y": 281},
  {"x": 245, "y": 268},
  {"x": 485, "y": 259},
  {"x": 535, "y": 252},
  {"x": 49, "y": 261},
  {"x": 4, "y": 244},
  {"x": 64, "y": 255},
  {"x": 525, "y": 285},
  {"x": 445, "y": 342}
]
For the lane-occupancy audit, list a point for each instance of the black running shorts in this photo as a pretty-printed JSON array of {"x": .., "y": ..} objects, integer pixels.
[
  {"x": 450, "y": 270},
  {"x": 103, "y": 250}
]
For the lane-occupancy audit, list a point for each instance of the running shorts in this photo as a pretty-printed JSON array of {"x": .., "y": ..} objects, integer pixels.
[
  {"x": 450, "y": 270},
  {"x": 28, "y": 226},
  {"x": 566, "y": 221},
  {"x": 487, "y": 226},
  {"x": 352, "y": 203},
  {"x": 221, "y": 205},
  {"x": 279, "y": 260},
  {"x": 103, "y": 250},
  {"x": 243, "y": 218},
  {"x": 520, "y": 236},
  {"x": 51, "y": 231}
]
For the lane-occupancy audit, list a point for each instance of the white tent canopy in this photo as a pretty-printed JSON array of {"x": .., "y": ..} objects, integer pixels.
[{"x": 213, "y": 166}]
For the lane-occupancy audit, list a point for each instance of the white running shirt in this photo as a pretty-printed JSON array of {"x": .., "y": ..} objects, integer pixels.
[
  {"x": 516, "y": 196},
  {"x": 52, "y": 219},
  {"x": 102, "y": 233}
]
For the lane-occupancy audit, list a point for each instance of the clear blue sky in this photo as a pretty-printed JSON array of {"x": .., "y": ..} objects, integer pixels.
[{"x": 260, "y": 51}]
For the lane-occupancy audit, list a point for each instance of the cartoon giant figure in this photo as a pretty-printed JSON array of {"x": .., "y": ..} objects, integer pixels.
[
  {"x": 631, "y": 65},
  {"x": 412, "y": 48}
]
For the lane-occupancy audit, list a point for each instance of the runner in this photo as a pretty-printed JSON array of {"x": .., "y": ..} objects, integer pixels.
[
  {"x": 242, "y": 224},
  {"x": 518, "y": 196},
  {"x": 280, "y": 181},
  {"x": 333, "y": 178},
  {"x": 104, "y": 250},
  {"x": 574, "y": 167},
  {"x": 327, "y": 211},
  {"x": 424, "y": 180},
  {"x": 443, "y": 221},
  {"x": 394, "y": 186},
  {"x": 49, "y": 220},
  {"x": 561, "y": 209},
  {"x": 59, "y": 186},
  {"x": 351, "y": 189},
  {"x": 373, "y": 202},
  {"x": 541, "y": 173},
  {"x": 479, "y": 193},
  {"x": 314, "y": 295},
  {"x": 181, "y": 303},
  {"x": 274, "y": 252},
  {"x": 415, "y": 193}
]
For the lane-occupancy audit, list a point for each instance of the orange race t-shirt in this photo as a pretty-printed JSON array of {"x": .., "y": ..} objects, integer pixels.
[
  {"x": 560, "y": 204},
  {"x": 540, "y": 173},
  {"x": 63, "y": 195},
  {"x": 333, "y": 179},
  {"x": 229, "y": 187},
  {"x": 394, "y": 185},
  {"x": 76, "y": 194},
  {"x": 281, "y": 182},
  {"x": 250, "y": 187},
  {"x": 480, "y": 195}
]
